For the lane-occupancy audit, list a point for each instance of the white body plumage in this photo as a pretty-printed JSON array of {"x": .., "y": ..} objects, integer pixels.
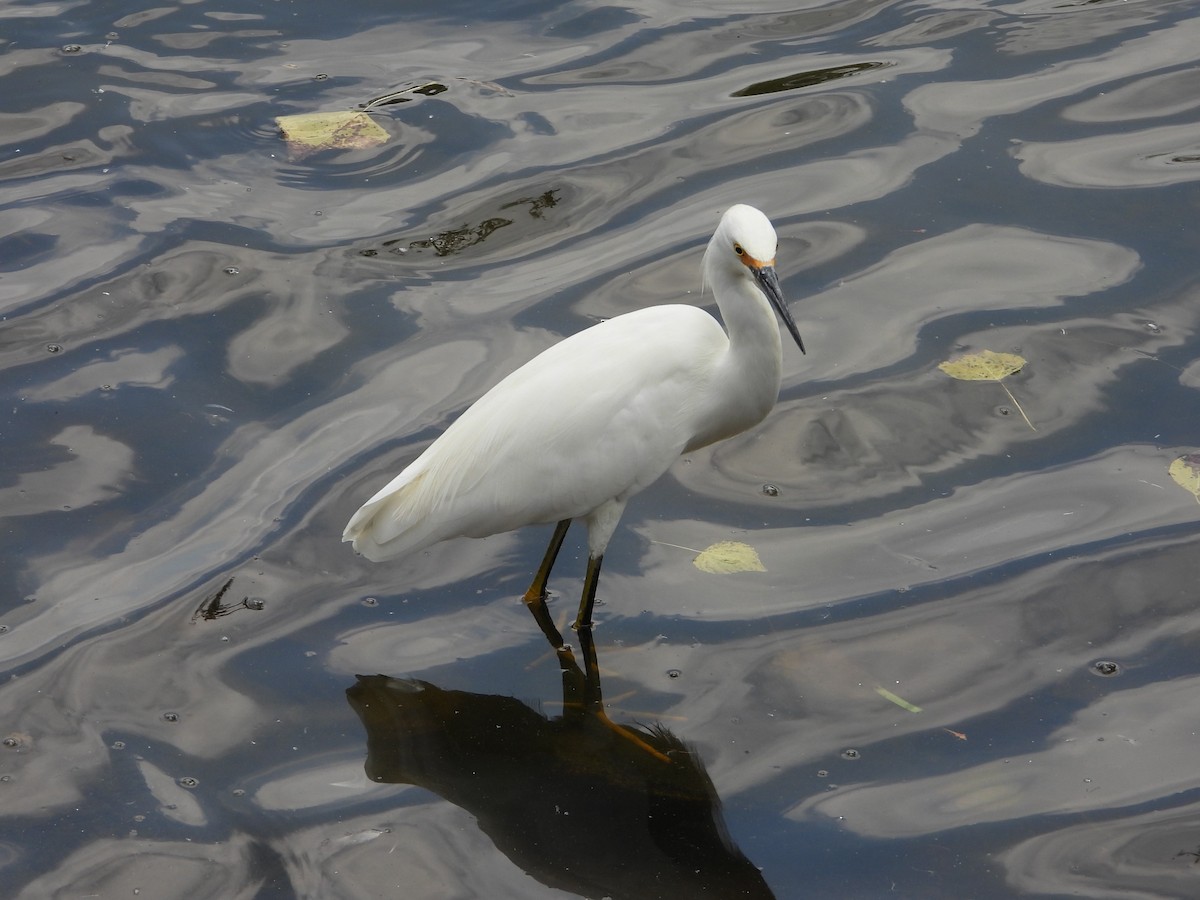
[{"x": 592, "y": 420}]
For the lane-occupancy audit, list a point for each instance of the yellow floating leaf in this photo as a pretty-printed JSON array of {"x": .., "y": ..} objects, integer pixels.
[
  {"x": 899, "y": 701},
  {"x": 987, "y": 365},
  {"x": 727, "y": 557},
  {"x": 341, "y": 130},
  {"x": 1185, "y": 472}
]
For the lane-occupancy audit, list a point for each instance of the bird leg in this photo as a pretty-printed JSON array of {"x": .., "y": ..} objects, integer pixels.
[
  {"x": 592, "y": 697},
  {"x": 588, "y": 600},
  {"x": 535, "y": 597},
  {"x": 593, "y": 700},
  {"x": 581, "y": 686}
]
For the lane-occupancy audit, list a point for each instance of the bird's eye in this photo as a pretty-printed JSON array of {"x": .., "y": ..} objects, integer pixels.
[{"x": 737, "y": 248}]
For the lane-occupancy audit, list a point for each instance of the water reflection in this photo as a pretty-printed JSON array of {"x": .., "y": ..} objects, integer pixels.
[
  {"x": 232, "y": 363},
  {"x": 580, "y": 802},
  {"x": 807, "y": 79},
  {"x": 1149, "y": 855},
  {"x": 454, "y": 241}
]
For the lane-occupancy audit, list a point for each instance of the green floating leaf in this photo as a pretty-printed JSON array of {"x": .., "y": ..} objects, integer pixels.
[
  {"x": 341, "y": 130},
  {"x": 1185, "y": 472},
  {"x": 987, "y": 365},
  {"x": 727, "y": 557},
  {"x": 899, "y": 701}
]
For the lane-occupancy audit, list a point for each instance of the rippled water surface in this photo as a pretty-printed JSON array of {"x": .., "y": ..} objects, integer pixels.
[{"x": 970, "y": 667}]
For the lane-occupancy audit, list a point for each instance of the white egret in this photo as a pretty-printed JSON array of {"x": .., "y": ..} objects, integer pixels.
[{"x": 592, "y": 420}]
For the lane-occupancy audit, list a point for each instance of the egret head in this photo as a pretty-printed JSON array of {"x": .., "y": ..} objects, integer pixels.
[{"x": 743, "y": 250}]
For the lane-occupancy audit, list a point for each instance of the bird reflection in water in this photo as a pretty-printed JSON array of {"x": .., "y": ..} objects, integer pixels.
[{"x": 579, "y": 802}]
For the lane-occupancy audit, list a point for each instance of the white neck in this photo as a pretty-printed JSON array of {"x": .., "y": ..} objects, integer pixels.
[{"x": 746, "y": 379}]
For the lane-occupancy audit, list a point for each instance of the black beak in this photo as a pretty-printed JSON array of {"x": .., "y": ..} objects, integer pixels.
[{"x": 769, "y": 282}]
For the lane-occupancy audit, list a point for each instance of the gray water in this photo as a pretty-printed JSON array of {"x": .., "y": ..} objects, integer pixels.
[{"x": 214, "y": 348}]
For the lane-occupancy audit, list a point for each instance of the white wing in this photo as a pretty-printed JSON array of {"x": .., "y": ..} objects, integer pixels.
[{"x": 595, "y": 417}]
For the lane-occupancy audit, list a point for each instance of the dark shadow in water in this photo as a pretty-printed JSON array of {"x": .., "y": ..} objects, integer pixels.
[
  {"x": 453, "y": 241},
  {"x": 808, "y": 79},
  {"x": 579, "y": 802}
]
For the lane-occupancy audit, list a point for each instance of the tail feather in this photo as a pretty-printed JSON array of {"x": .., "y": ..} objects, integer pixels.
[{"x": 380, "y": 527}]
